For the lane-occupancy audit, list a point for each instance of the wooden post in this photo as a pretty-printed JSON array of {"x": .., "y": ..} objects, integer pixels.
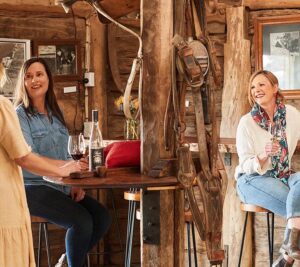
[
  {"x": 157, "y": 35},
  {"x": 237, "y": 71},
  {"x": 98, "y": 94}
]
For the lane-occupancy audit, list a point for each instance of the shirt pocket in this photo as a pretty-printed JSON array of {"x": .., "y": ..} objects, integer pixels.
[
  {"x": 62, "y": 143},
  {"x": 41, "y": 140}
]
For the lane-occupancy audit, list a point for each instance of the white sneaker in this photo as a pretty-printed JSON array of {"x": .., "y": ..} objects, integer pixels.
[{"x": 62, "y": 262}]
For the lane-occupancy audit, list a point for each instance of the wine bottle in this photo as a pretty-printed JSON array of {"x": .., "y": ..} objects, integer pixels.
[{"x": 96, "y": 154}]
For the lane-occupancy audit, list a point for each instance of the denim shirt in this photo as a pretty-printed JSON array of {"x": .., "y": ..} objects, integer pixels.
[{"x": 47, "y": 137}]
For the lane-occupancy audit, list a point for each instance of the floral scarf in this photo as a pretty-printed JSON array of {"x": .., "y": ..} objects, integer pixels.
[{"x": 280, "y": 163}]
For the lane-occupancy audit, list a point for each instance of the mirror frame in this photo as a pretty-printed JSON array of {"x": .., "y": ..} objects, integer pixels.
[{"x": 259, "y": 24}]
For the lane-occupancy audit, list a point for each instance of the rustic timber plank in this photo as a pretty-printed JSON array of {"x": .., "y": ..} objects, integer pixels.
[
  {"x": 80, "y": 8},
  {"x": 270, "y": 4},
  {"x": 98, "y": 95},
  {"x": 237, "y": 70},
  {"x": 157, "y": 35}
]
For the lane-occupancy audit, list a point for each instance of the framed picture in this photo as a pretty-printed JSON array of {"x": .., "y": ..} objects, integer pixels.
[
  {"x": 277, "y": 48},
  {"x": 13, "y": 53},
  {"x": 62, "y": 56}
]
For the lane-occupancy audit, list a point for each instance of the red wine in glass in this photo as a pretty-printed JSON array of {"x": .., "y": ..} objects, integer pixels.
[
  {"x": 77, "y": 156},
  {"x": 76, "y": 146}
]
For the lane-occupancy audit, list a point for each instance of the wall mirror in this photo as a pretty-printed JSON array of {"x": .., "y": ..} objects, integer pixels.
[{"x": 277, "y": 49}]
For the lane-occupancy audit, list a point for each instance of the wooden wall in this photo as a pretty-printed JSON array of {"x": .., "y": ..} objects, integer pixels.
[{"x": 22, "y": 25}]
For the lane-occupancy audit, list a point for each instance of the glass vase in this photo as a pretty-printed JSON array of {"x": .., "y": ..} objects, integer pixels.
[{"x": 132, "y": 129}]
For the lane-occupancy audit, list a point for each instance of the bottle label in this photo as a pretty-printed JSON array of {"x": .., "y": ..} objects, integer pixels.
[{"x": 96, "y": 158}]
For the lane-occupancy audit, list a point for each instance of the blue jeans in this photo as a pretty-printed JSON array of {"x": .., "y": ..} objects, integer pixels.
[
  {"x": 271, "y": 193},
  {"x": 86, "y": 221}
]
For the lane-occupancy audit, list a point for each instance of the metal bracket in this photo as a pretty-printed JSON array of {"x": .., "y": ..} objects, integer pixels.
[{"x": 151, "y": 217}]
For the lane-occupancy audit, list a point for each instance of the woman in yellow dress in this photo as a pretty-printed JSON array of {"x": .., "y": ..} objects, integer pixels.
[{"x": 16, "y": 247}]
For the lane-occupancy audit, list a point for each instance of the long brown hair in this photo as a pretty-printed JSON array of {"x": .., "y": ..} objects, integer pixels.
[
  {"x": 22, "y": 97},
  {"x": 271, "y": 78}
]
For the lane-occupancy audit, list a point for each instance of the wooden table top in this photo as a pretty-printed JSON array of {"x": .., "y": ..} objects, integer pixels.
[{"x": 130, "y": 180}]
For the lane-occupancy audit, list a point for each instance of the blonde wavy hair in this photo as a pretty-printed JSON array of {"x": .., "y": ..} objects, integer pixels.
[{"x": 271, "y": 78}]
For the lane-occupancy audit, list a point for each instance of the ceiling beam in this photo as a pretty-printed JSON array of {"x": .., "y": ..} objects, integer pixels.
[{"x": 80, "y": 8}]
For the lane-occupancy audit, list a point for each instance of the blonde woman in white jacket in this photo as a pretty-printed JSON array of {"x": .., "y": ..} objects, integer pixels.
[{"x": 266, "y": 140}]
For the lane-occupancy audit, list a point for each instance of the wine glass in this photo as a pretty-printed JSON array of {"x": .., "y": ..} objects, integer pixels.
[
  {"x": 276, "y": 131},
  {"x": 76, "y": 146}
]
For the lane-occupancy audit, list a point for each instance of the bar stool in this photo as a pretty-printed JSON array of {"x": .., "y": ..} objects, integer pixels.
[
  {"x": 43, "y": 226},
  {"x": 188, "y": 218},
  {"x": 257, "y": 209},
  {"x": 133, "y": 196}
]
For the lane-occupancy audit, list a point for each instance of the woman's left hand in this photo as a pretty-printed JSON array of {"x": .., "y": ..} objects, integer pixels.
[{"x": 77, "y": 193}]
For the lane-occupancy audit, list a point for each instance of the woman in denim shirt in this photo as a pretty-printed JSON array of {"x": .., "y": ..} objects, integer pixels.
[
  {"x": 15, "y": 227},
  {"x": 44, "y": 129},
  {"x": 266, "y": 140}
]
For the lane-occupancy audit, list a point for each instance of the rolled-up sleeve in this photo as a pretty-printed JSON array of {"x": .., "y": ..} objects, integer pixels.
[{"x": 248, "y": 157}]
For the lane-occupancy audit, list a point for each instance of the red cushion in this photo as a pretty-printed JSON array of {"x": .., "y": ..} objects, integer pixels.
[{"x": 123, "y": 154}]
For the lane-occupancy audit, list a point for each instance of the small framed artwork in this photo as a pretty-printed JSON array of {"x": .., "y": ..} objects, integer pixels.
[
  {"x": 13, "y": 53},
  {"x": 277, "y": 48},
  {"x": 62, "y": 56}
]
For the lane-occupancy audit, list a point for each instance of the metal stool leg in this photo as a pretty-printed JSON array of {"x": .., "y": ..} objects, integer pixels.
[
  {"x": 194, "y": 244},
  {"x": 130, "y": 228},
  {"x": 270, "y": 238},
  {"x": 189, "y": 243},
  {"x": 270, "y": 235},
  {"x": 131, "y": 234},
  {"x": 88, "y": 263},
  {"x": 39, "y": 245},
  {"x": 47, "y": 244},
  {"x": 243, "y": 239},
  {"x": 273, "y": 222}
]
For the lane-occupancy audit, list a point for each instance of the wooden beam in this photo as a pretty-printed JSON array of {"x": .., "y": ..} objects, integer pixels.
[
  {"x": 98, "y": 94},
  {"x": 237, "y": 69},
  {"x": 80, "y": 8},
  {"x": 270, "y": 4},
  {"x": 157, "y": 35}
]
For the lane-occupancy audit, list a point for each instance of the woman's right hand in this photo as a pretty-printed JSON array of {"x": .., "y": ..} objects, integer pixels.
[
  {"x": 272, "y": 148},
  {"x": 69, "y": 167},
  {"x": 84, "y": 164}
]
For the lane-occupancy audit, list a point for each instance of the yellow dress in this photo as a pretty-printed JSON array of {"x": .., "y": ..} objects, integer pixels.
[{"x": 16, "y": 247}]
